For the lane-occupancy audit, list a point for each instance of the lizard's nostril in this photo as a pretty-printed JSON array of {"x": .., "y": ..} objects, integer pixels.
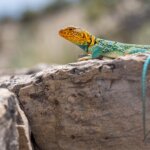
[{"x": 60, "y": 32}]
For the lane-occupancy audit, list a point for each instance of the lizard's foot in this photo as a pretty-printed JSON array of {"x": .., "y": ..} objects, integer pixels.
[
  {"x": 82, "y": 55},
  {"x": 85, "y": 58}
]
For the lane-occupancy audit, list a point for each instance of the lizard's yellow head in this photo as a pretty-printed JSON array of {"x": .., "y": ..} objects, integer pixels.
[{"x": 77, "y": 36}]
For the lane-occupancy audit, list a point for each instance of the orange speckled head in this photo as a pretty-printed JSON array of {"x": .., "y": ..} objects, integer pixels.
[{"x": 77, "y": 36}]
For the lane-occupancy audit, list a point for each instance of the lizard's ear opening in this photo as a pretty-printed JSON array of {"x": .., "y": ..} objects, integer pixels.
[{"x": 86, "y": 37}]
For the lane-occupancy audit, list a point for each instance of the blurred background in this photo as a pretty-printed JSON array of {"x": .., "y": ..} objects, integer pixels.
[{"x": 29, "y": 28}]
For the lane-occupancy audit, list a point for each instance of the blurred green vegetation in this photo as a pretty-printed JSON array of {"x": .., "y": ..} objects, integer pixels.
[
  {"x": 96, "y": 8},
  {"x": 53, "y": 8}
]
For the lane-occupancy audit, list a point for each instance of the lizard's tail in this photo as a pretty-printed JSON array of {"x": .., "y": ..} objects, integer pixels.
[{"x": 144, "y": 87}]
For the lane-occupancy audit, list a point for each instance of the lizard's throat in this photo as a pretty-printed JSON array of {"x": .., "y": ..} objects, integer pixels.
[{"x": 84, "y": 47}]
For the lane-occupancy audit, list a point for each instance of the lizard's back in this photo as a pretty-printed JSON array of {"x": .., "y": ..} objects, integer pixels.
[{"x": 115, "y": 49}]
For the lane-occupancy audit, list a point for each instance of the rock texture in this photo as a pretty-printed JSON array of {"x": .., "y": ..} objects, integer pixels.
[
  {"x": 14, "y": 128},
  {"x": 8, "y": 113},
  {"x": 91, "y": 105},
  {"x": 23, "y": 130}
]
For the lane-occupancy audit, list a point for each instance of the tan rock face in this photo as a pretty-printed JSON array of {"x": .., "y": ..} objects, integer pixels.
[
  {"x": 14, "y": 129},
  {"x": 8, "y": 129},
  {"x": 92, "y": 105},
  {"x": 23, "y": 130}
]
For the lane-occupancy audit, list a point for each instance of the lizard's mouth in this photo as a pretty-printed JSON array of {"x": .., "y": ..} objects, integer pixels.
[
  {"x": 65, "y": 35},
  {"x": 68, "y": 36},
  {"x": 61, "y": 33}
]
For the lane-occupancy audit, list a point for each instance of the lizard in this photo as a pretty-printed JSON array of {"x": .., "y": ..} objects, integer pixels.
[{"x": 96, "y": 48}]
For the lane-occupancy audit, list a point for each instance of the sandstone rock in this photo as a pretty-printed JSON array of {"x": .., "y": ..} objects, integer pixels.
[
  {"x": 8, "y": 129},
  {"x": 14, "y": 129},
  {"x": 23, "y": 130},
  {"x": 91, "y": 105}
]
